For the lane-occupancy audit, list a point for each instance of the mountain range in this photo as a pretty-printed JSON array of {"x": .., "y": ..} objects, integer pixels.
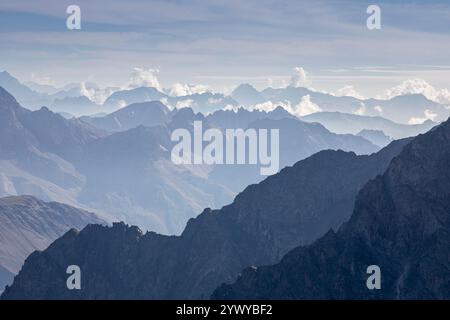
[
  {"x": 401, "y": 109},
  {"x": 265, "y": 221},
  {"x": 400, "y": 223},
  {"x": 119, "y": 165},
  {"x": 58, "y": 159},
  {"x": 88, "y": 99},
  {"x": 353, "y": 124}
]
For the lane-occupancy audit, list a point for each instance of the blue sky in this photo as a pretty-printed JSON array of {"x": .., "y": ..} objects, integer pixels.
[{"x": 224, "y": 43}]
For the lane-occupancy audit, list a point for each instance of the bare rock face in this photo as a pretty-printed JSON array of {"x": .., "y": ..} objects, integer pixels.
[
  {"x": 401, "y": 223},
  {"x": 28, "y": 224},
  {"x": 265, "y": 221}
]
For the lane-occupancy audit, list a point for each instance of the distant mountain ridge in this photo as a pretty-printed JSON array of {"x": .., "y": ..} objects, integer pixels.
[
  {"x": 76, "y": 99},
  {"x": 351, "y": 123},
  {"x": 53, "y": 158},
  {"x": 377, "y": 137},
  {"x": 134, "y": 115}
]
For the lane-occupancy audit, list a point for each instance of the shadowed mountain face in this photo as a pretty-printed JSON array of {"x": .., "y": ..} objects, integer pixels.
[
  {"x": 6, "y": 278},
  {"x": 264, "y": 222},
  {"x": 28, "y": 224},
  {"x": 401, "y": 222}
]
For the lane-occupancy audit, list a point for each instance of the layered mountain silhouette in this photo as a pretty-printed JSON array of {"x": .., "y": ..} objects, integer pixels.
[
  {"x": 119, "y": 165},
  {"x": 400, "y": 223},
  {"x": 401, "y": 109},
  {"x": 126, "y": 97},
  {"x": 247, "y": 95},
  {"x": 265, "y": 221},
  {"x": 34, "y": 147},
  {"x": 28, "y": 224},
  {"x": 81, "y": 100},
  {"x": 351, "y": 123},
  {"x": 297, "y": 140},
  {"x": 377, "y": 137},
  {"x": 17, "y": 88},
  {"x": 130, "y": 176},
  {"x": 123, "y": 176},
  {"x": 138, "y": 114}
]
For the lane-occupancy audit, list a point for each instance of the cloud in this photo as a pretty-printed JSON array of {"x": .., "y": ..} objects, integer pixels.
[
  {"x": 215, "y": 100},
  {"x": 96, "y": 95},
  {"x": 379, "y": 109},
  {"x": 268, "y": 106},
  {"x": 420, "y": 86},
  {"x": 362, "y": 110},
  {"x": 305, "y": 107},
  {"x": 428, "y": 115},
  {"x": 179, "y": 90},
  {"x": 299, "y": 78},
  {"x": 40, "y": 79},
  {"x": 230, "y": 107},
  {"x": 187, "y": 103},
  {"x": 349, "y": 91},
  {"x": 121, "y": 103},
  {"x": 144, "y": 78}
]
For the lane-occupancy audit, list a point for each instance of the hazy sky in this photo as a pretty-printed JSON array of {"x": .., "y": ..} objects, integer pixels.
[{"x": 224, "y": 43}]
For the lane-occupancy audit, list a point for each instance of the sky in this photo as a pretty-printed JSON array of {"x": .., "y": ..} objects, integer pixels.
[{"x": 220, "y": 44}]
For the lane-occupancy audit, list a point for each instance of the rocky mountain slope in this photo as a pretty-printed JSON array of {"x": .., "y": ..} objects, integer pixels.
[
  {"x": 28, "y": 224},
  {"x": 401, "y": 223}
]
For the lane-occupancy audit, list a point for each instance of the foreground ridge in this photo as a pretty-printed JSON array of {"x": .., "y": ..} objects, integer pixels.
[{"x": 401, "y": 223}]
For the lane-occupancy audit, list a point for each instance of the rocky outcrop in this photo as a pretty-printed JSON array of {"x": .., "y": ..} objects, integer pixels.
[{"x": 28, "y": 224}]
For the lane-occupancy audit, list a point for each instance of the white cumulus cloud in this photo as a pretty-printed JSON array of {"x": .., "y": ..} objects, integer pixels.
[
  {"x": 420, "y": 86},
  {"x": 303, "y": 108},
  {"x": 187, "y": 103},
  {"x": 41, "y": 79},
  {"x": 299, "y": 78},
  {"x": 268, "y": 106},
  {"x": 379, "y": 109},
  {"x": 428, "y": 115},
  {"x": 179, "y": 89},
  {"x": 96, "y": 95},
  {"x": 144, "y": 78},
  {"x": 361, "y": 110},
  {"x": 349, "y": 91}
]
